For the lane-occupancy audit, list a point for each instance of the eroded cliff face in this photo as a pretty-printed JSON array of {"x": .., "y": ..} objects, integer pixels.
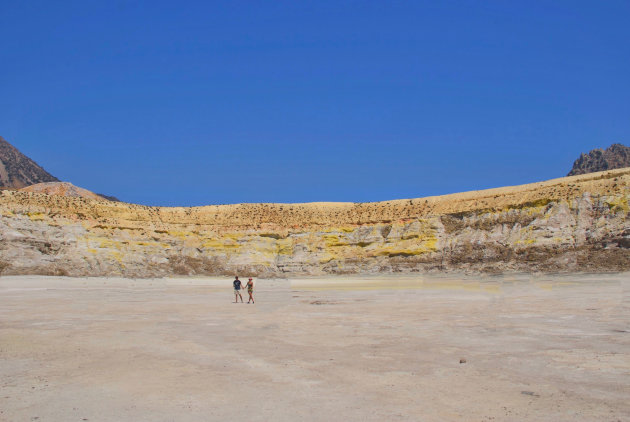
[{"x": 569, "y": 224}]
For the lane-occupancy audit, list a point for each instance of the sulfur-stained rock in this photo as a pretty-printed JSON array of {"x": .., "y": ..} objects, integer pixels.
[{"x": 568, "y": 224}]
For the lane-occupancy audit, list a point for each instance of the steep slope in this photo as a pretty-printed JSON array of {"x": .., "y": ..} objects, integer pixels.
[
  {"x": 568, "y": 224},
  {"x": 17, "y": 170},
  {"x": 615, "y": 156}
]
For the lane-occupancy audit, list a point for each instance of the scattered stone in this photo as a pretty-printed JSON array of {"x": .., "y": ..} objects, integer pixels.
[
  {"x": 462, "y": 360},
  {"x": 530, "y": 393},
  {"x": 323, "y": 302}
]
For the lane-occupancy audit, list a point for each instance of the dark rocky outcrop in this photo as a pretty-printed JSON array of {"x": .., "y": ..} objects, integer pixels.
[
  {"x": 615, "y": 156},
  {"x": 17, "y": 170}
]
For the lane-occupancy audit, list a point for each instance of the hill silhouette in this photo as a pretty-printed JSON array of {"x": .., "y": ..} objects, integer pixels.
[
  {"x": 17, "y": 170},
  {"x": 615, "y": 156}
]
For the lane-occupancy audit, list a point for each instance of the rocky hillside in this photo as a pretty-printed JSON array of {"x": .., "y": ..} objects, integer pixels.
[
  {"x": 63, "y": 189},
  {"x": 615, "y": 156},
  {"x": 577, "y": 223},
  {"x": 17, "y": 170}
]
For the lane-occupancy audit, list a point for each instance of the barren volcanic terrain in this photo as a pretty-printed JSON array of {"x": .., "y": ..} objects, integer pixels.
[
  {"x": 351, "y": 348},
  {"x": 63, "y": 189},
  {"x": 567, "y": 224}
]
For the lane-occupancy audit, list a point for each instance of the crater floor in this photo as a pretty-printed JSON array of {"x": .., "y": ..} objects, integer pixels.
[{"x": 543, "y": 348}]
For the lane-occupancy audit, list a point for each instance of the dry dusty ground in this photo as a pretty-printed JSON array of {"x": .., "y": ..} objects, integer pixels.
[{"x": 362, "y": 349}]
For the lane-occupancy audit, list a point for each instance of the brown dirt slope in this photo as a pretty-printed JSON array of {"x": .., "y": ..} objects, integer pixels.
[{"x": 63, "y": 189}]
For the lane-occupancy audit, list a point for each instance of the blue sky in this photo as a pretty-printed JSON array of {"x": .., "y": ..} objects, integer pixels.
[{"x": 193, "y": 103}]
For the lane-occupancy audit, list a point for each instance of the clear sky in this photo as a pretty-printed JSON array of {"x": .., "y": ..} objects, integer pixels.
[{"x": 193, "y": 103}]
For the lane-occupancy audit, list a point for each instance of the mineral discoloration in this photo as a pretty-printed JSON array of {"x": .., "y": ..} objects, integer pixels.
[{"x": 567, "y": 224}]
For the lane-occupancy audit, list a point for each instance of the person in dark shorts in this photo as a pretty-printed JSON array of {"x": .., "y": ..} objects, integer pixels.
[
  {"x": 250, "y": 290},
  {"x": 237, "y": 290}
]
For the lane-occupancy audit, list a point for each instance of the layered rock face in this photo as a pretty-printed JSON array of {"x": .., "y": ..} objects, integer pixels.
[
  {"x": 569, "y": 224},
  {"x": 615, "y": 156},
  {"x": 17, "y": 170}
]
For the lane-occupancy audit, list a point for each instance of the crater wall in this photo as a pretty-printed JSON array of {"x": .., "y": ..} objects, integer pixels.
[{"x": 577, "y": 223}]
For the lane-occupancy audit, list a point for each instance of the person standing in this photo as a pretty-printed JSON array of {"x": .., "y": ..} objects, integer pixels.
[
  {"x": 250, "y": 290},
  {"x": 237, "y": 290}
]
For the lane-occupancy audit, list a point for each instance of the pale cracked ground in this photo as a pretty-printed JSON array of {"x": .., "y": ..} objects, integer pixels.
[{"x": 338, "y": 349}]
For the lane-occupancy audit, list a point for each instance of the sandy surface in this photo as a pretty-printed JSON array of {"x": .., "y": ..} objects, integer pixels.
[{"x": 361, "y": 349}]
